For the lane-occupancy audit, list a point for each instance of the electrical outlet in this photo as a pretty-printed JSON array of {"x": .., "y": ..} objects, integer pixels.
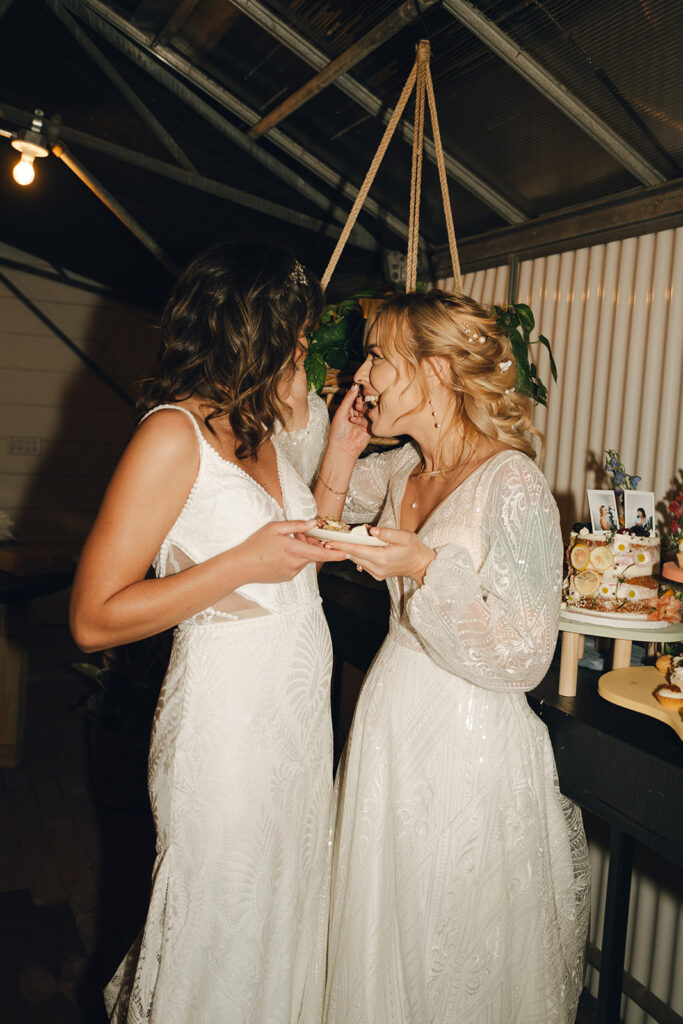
[{"x": 23, "y": 446}]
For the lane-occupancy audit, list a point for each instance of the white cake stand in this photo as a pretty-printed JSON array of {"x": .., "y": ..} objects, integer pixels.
[{"x": 576, "y": 626}]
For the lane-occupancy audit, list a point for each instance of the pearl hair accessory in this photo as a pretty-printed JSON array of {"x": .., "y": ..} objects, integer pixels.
[
  {"x": 509, "y": 391},
  {"x": 505, "y": 365},
  {"x": 472, "y": 334},
  {"x": 298, "y": 274}
]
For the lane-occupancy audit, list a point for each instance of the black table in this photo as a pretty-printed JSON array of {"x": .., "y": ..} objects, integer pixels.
[
  {"x": 16, "y": 594},
  {"x": 623, "y": 767}
]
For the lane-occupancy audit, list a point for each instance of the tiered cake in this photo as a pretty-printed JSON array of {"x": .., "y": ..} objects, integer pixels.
[{"x": 612, "y": 573}]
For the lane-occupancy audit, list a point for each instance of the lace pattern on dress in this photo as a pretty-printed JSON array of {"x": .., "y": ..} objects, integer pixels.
[{"x": 305, "y": 448}]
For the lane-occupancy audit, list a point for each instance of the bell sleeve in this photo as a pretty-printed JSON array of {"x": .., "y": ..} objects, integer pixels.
[{"x": 496, "y": 625}]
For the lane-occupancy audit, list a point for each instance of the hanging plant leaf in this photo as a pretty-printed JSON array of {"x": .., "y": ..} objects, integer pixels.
[
  {"x": 336, "y": 358},
  {"x": 334, "y": 333},
  {"x": 328, "y": 315},
  {"x": 316, "y": 371},
  {"x": 553, "y": 368},
  {"x": 524, "y": 316},
  {"x": 346, "y": 305},
  {"x": 517, "y": 322},
  {"x": 505, "y": 318}
]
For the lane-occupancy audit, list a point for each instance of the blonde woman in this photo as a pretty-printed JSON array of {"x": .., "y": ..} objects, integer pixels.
[{"x": 460, "y": 873}]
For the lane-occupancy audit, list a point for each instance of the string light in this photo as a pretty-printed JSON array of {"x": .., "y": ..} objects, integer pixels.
[{"x": 31, "y": 144}]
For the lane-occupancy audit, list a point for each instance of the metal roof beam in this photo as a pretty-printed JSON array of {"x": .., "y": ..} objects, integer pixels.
[
  {"x": 314, "y": 57},
  {"x": 178, "y": 16},
  {"x": 639, "y": 211},
  {"x": 554, "y": 90},
  {"x": 141, "y": 109},
  {"x": 115, "y": 207},
  {"x": 189, "y": 178},
  {"x": 404, "y": 15},
  {"x": 137, "y": 46}
]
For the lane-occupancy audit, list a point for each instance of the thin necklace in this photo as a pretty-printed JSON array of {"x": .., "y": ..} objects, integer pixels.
[{"x": 442, "y": 472}]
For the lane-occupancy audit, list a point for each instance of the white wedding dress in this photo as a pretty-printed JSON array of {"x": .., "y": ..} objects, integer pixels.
[
  {"x": 240, "y": 776},
  {"x": 460, "y": 886}
]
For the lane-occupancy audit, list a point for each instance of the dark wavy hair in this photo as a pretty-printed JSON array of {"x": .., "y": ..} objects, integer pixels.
[{"x": 229, "y": 337}]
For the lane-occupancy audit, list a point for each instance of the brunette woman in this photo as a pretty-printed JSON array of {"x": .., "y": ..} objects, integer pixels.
[{"x": 240, "y": 765}]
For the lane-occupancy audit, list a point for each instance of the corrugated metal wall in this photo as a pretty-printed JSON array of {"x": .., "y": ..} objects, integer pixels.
[{"x": 614, "y": 316}]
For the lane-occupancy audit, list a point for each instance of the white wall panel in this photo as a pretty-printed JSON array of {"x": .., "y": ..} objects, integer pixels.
[
  {"x": 489, "y": 287},
  {"x": 75, "y": 425}
]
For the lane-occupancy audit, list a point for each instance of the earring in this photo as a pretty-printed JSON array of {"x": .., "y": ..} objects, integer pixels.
[{"x": 437, "y": 425}]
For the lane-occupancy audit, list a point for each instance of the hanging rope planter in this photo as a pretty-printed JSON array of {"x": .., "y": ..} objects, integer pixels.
[{"x": 420, "y": 79}]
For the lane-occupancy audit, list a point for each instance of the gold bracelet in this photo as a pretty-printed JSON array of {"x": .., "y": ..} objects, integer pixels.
[{"x": 339, "y": 494}]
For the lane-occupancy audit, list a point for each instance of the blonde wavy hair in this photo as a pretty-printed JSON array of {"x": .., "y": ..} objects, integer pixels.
[{"x": 481, "y": 383}]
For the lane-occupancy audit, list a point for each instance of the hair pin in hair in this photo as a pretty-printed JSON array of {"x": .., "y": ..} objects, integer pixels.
[
  {"x": 472, "y": 334},
  {"x": 298, "y": 274},
  {"x": 509, "y": 391},
  {"x": 505, "y": 365}
]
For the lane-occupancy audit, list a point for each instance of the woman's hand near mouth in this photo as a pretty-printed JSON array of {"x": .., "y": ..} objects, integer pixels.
[
  {"x": 350, "y": 428},
  {"x": 349, "y": 436}
]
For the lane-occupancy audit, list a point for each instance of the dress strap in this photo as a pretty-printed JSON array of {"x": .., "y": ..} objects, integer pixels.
[{"x": 179, "y": 409}]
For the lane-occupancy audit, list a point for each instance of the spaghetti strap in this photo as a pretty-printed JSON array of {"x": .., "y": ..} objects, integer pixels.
[{"x": 180, "y": 409}]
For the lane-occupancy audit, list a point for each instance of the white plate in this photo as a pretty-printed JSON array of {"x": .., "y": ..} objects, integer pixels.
[
  {"x": 345, "y": 538},
  {"x": 613, "y": 619}
]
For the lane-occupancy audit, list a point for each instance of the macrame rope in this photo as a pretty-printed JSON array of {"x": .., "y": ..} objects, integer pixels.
[
  {"x": 369, "y": 177},
  {"x": 420, "y": 77},
  {"x": 441, "y": 166},
  {"x": 421, "y": 62}
]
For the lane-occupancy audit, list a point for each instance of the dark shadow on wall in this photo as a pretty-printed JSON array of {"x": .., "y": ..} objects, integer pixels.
[{"x": 93, "y": 424}]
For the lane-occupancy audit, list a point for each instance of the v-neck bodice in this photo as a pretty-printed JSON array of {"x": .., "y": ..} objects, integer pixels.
[{"x": 224, "y": 507}]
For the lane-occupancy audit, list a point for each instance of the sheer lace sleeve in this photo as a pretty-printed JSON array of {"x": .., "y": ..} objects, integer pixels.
[
  {"x": 370, "y": 483},
  {"x": 305, "y": 448},
  {"x": 497, "y": 626}
]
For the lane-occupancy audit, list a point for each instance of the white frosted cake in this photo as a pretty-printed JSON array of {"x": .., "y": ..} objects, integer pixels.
[{"x": 612, "y": 574}]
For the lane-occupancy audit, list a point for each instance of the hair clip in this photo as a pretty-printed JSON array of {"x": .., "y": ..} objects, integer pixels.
[
  {"x": 505, "y": 366},
  {"x": 509, "y": 391},
  {"x": 471, "y": 334},
  {"x": 298, "y": 274}
]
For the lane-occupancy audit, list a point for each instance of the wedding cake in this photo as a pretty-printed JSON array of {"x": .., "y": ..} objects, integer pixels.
[{"x": 612, "y": 573}]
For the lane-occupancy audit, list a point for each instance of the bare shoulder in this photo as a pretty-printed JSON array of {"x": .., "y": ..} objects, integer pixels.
[
  {"x": 163, "y": 456},
  {"x": 167, "y": 432}
]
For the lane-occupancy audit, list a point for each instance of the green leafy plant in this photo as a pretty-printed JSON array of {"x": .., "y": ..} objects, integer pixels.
[
  {"x": 337, "y": 340},
  {"x": 518, "y": 322}
]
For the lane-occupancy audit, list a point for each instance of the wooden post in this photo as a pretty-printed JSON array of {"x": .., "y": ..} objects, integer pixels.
[
  {"x": 569, "y": 664},
  {"x": 622, "y": 654}
]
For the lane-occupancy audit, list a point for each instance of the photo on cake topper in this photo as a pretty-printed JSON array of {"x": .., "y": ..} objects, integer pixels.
[
  {"x": 639, "y": 509},
  {"x": 603, "y": 508}
]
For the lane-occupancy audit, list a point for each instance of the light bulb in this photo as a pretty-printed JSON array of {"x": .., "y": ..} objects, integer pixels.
[{"x": 23, "y": 172}]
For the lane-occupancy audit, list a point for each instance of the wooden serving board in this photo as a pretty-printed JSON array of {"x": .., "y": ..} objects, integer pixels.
[{"x": 632, "y": 688}]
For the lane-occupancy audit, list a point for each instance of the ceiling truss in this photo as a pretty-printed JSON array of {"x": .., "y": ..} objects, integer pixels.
[
  {"x": 380, "y": 34},
  {"x": 554, "y": 90},
  {"x": 316, "y": 59},
  {"x": 138, "y": 47}
]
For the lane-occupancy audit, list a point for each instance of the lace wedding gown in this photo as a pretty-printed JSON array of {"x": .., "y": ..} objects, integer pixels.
[
  {"x": 240, "y": 776},
  {"x": 460, "y": 886}
]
